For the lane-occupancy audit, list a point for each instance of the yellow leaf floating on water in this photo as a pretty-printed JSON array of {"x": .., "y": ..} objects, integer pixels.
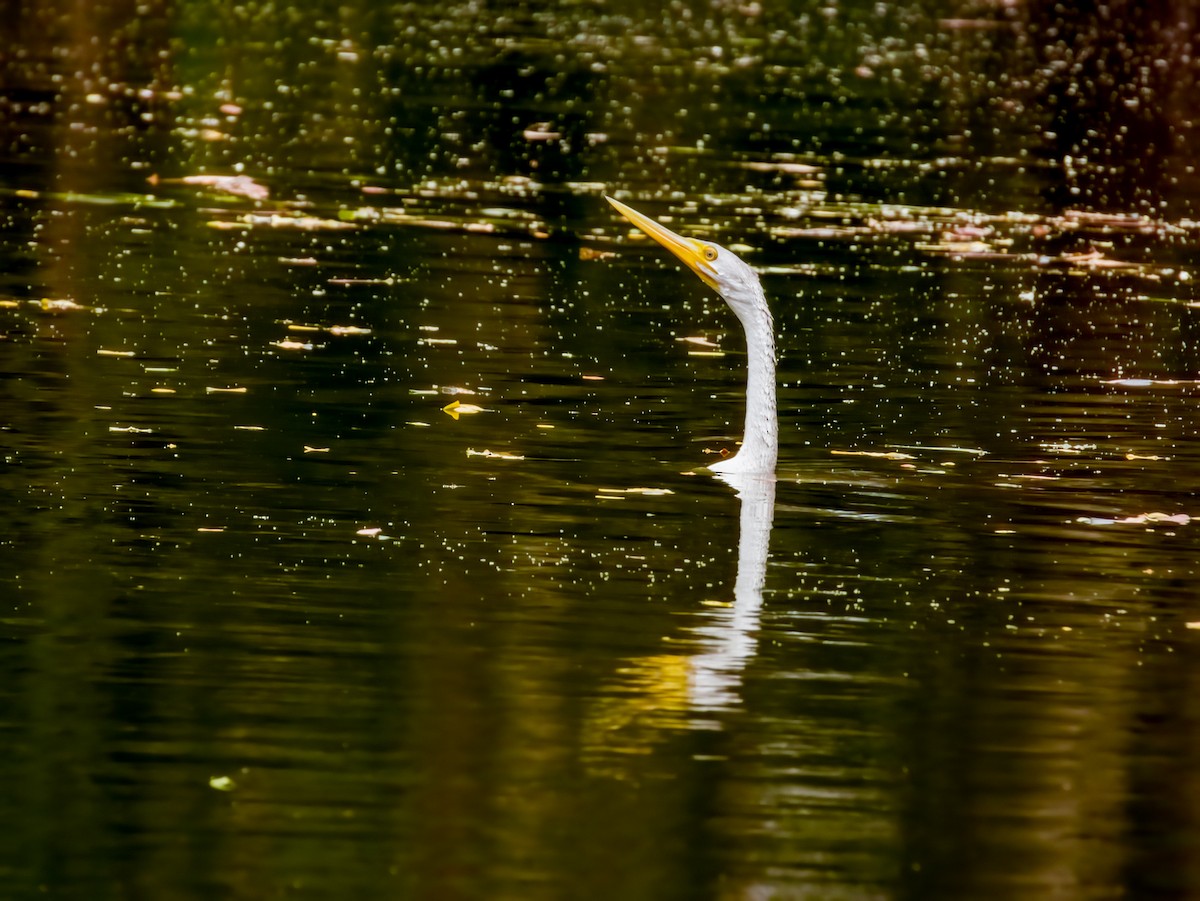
[
  {"x": 234, "y": 390},
  {"x": 499, "y": 455},
  {"x": 457, "y": 408},
  {"x": 222, "y": 783}
]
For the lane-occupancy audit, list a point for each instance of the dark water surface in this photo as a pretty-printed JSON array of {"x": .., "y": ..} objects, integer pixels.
[{"x": 277, "y": 624}]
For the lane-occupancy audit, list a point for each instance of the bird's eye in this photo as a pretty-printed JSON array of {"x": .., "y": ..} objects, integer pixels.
[{"x": 710, "y": 253}]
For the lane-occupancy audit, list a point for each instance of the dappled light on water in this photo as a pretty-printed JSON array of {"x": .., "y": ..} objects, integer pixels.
[{"x": 361, "y": 540}]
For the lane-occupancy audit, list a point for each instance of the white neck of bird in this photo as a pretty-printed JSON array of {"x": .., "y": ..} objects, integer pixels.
[{"x": 760, "y": 439}]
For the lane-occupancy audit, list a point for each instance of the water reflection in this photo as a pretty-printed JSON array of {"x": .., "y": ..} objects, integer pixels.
[{"x": 729, "y": 639}]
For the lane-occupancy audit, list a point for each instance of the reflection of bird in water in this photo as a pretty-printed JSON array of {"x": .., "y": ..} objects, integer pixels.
[{"x": 739, "y": 287}]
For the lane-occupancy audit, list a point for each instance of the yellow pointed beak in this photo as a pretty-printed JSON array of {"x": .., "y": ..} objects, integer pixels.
[{"x": 689, "y": 250}]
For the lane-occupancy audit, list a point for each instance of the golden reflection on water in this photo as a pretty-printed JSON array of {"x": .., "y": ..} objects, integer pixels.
[{"x": 671, "y": 690}]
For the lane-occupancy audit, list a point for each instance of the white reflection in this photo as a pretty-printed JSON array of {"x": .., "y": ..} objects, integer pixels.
[{"x": 731, "y": 637}]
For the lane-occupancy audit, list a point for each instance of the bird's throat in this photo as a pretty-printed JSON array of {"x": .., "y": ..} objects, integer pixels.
[{"x": 760, "y": 439}]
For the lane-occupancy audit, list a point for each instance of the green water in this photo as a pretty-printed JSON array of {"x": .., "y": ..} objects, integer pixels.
[{"x": 275, "y": 623}]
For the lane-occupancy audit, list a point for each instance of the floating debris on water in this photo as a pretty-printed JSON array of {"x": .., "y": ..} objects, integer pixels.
[
  {"x": 498, "y": 455},
  {"x": 1178, "y": 519},
  {"x": 238, "y": 185},
  {"x": 882, "y": 455},
  {"x": 61, "y": 305},
  {"x": 649, "y": 492},
  {"x": 941, "y": 449}
]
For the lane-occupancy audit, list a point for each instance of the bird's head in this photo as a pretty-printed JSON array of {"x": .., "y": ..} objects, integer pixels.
[{"x": 719, "y": 268}]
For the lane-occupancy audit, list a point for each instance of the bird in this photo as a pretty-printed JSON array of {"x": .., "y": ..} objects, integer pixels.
[{"x": 739, "y": 286}]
